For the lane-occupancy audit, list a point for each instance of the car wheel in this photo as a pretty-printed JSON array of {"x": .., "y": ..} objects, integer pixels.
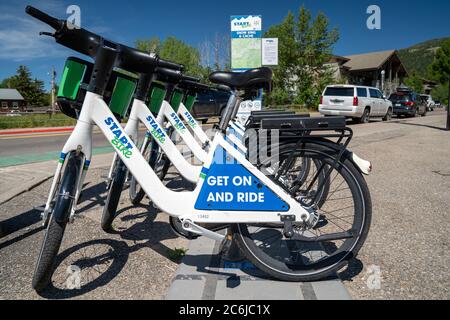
[
  {"x": 365, "y": 117},
  {"x": 388, "y": 115}
]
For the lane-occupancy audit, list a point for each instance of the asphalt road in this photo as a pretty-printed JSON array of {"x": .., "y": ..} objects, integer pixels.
[
  {"x": 29, "y": 148},
  {"x": 407, "y": 249}
]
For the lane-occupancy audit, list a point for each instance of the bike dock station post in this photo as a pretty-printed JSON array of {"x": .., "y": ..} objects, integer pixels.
[{"x": 217, "y": 271}]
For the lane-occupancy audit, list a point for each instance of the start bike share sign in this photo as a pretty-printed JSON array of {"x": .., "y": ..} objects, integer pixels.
[
  {"x": 246, "y": 33},
  {"x": 228, "y": 186}
]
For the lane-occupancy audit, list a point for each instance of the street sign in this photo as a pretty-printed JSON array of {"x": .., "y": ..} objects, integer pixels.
[
  {"x": 270, "y": 51},
  {"x": 246, "y": 34}
]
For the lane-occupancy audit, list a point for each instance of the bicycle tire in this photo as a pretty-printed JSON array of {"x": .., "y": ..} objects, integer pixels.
[
  {"x": 54, "y": 234},
  {"x": 281, "y": 270},
  {"x": 113, "y": 198}
]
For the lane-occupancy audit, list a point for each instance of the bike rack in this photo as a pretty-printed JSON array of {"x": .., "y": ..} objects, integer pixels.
[{"x": 229, "y": 250}]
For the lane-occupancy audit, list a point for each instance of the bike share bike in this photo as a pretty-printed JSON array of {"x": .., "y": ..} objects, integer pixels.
[{"x": 277, "y": 222}]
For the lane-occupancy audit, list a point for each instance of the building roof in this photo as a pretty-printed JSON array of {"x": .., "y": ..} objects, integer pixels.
[
  {"x": 369, "y": 61},
  {"x": 10, "y": 94},
  {"x": 338, "y": 59}
]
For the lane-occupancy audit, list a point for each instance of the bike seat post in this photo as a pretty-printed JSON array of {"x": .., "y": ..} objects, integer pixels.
[{"x": 234, "y": 103}]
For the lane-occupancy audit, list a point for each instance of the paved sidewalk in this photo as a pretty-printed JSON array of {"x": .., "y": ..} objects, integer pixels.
[
  {"x": 19, "y": 179},
  {"x": 204, "y": 275}
]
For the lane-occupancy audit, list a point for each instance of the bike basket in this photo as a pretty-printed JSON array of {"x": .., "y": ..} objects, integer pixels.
[
  {"x": 157, "y": 95},
  {"x": 190, "y": 100},
  {"x": 176, "y": 99},
  {"x": 74, "y": 82}
]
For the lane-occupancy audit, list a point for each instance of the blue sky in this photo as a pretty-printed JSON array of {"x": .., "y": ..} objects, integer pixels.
[{"x": 404, "y": 23}]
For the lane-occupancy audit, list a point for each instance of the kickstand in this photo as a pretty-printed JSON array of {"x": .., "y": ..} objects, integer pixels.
[{"x": 229, "y": 249}]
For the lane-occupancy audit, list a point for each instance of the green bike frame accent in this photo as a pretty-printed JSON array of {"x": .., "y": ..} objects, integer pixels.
[
  {"x": 78, "y": 72},
  {"x": 157, "y": 94},
  {"x": 71, "y": 79},
  {"x": 122, "y": 96},
  {"x": 176, "y": 99},
  {"x": 190, "y": 100}
]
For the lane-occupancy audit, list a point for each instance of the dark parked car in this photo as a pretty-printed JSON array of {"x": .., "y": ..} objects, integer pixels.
[
  {"x": 408, "y": 103},
  {"x": 210, "y": 104}
]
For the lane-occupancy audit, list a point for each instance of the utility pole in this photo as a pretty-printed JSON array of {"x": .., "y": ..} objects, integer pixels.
[{"x": 53, "y": 90}]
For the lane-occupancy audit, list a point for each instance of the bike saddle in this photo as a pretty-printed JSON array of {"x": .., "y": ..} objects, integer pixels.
[{"x": 260, "y": 78}]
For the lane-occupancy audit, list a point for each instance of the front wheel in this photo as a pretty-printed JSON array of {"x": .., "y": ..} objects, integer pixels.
[
  {"x": 388, "y": 115},
  {"x": 59, "y": 217},
  {"x": 160, "y": 164},
  {"x": 113, "y": 198},
  {"x": 322, "y": 246}
]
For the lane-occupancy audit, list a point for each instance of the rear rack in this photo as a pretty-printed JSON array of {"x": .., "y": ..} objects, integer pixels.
[{"x": 297, "y": 123}]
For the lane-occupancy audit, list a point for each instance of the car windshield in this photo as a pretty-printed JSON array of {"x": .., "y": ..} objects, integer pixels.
[
  {"x": 340, "y": 92},
  {"x": 399, "y": 98}
]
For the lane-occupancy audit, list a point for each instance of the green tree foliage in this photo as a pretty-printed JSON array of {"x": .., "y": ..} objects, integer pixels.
[
  {"x": 420, "y": 56},
  {"x": 175, "y": 50},
  {"x": 441, "y": 66},
  {"x": 305, "y": 45},
  {"x": 31, "y": 89},
  {"x": 415, "y": 82}
]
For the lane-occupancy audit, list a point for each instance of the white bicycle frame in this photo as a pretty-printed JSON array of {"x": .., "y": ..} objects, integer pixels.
[
  {"x": 140, "y": 112},
  {"x": 177, "y": 204}
]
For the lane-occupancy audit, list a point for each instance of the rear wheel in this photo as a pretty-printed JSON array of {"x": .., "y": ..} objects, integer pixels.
[
  {"x": 365, "y": 117},
  {"x": 322, "y": 246},
  {"x": 59, "y": 217}
]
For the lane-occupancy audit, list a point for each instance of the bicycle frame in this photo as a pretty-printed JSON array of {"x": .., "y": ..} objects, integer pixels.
[
  {"x": 187, "y": 206},
  {"x": 140, "y": 112}
]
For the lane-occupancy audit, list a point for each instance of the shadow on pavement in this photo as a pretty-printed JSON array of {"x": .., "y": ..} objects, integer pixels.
[
  {"x": 354, "y": 268},
  {"x": 19, "y": 222},
  {"x": 113, "y": 260},
  {"x": 419, "y": 125}
]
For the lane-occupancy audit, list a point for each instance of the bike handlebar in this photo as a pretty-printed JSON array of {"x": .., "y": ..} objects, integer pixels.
[
  {"x": 42, "y": 16},
  {"x": 88, "y": 43}
]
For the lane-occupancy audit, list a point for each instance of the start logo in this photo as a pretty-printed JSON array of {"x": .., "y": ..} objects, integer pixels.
[
  {"x": 156, "y": 131},
  {"x": 120, "y": 141},
  {"x": 178, "y": 123},
  {"x": 191, "y": 120}
]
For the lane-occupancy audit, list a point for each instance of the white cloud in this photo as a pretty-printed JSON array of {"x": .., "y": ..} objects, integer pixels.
[{"x": 19, "y": 32}]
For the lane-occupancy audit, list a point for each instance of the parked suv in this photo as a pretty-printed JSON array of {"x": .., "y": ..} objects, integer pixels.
[
  {"x": 356, "y": 102},
  {"x": 408, "y": 103},
  {"x": 210, "y": 104}
]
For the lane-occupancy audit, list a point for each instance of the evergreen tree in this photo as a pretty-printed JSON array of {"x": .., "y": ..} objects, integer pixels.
[
  {"x": 305, "y": 45},
  {"x": 441, "y": 71},
  {"x": 31, "y": 89}
]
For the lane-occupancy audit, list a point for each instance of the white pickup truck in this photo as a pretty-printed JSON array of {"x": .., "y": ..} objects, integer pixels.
[{"x": 357, "y": 102}]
